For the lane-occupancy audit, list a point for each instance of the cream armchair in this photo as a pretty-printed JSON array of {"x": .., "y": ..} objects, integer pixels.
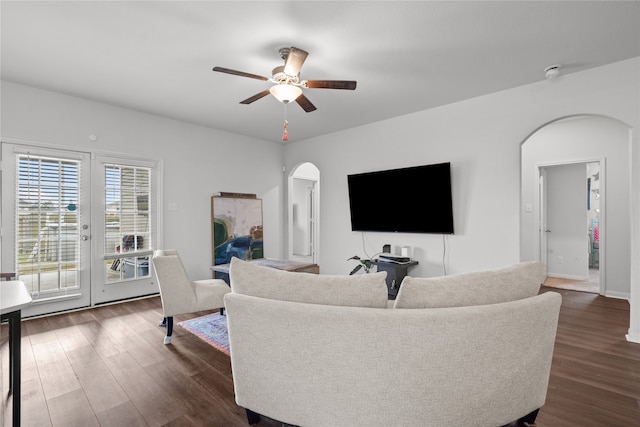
[{"x": 181, "y": 295}]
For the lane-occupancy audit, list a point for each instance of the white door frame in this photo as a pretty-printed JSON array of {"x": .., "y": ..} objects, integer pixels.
[
  {"x": 543, "y": 228},
  {"x": 540, "y": 220}
]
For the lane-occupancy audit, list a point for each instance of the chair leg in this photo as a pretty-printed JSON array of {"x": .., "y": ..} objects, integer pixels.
[
  {"x": 252, "y": 417},
  {"x": 529, "y": 420},
  {"x": 167, "y": 338}
]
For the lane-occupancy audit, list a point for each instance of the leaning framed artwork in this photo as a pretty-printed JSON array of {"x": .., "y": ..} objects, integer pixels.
[{"x": 236, "y": 227}]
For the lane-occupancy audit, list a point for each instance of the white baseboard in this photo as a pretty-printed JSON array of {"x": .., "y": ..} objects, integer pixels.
[
  {"x": 618, "y": 295},
  {"x": 633, "y": 336}
]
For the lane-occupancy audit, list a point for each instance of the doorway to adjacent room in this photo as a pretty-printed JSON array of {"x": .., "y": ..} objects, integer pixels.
[
  {"x": 570, "y": 213},
  {"x": 601, "y": 244},
  {"x": 303, "y": 213}
]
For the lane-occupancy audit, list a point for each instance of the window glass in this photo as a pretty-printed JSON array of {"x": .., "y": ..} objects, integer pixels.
[{"x": 127, "y": 221}]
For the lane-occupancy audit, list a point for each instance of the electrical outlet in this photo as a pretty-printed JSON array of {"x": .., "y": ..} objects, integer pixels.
[{"x": 560, "y": 260}]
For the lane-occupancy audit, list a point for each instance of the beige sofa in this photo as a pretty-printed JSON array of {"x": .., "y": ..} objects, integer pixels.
[{"x": 322, "y": 350}]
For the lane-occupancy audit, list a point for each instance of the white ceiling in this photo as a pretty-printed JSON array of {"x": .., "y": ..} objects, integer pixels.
[{"x": 157, "y": 57}]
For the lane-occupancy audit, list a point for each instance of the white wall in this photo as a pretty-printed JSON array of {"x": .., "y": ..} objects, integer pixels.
[
  {"x": 306, "y": 171},
  {"x": 585, "y": 138},
  {"x": 198, "y": 162},
  {"x": 481, "y": 137}
]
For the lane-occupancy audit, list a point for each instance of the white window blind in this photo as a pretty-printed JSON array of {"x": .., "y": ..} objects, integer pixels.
[
  {"x": 128, "y": 237},
  {"x": 47, "y": 221}
]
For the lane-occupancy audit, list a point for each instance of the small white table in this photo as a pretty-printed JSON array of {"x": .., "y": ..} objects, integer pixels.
[{"x": 13, "y": 298}]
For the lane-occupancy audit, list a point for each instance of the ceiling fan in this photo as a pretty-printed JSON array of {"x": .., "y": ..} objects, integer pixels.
[{"x": 288, "y": 86}]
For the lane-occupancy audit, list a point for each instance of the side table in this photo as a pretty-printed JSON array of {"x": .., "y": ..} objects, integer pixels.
[{"x": 395, "y": 273}]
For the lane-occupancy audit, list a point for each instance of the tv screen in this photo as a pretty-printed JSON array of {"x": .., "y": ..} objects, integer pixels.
[{"x": 407, "y": 200}]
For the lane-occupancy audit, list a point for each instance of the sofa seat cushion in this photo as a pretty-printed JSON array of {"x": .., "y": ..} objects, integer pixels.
[
  {"x": 519, "y": 281},
  {"x": 362, "y": 290}
]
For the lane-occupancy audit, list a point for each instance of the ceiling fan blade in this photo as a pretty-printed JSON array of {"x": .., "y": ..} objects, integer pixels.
[
  {"x": 256, "y": 97},
  {"x": 239, "y": 73},
  {"x": 304, "y": 102},
  {"x": 330, "y": 84},
  {"x": 294, "y": 61}
]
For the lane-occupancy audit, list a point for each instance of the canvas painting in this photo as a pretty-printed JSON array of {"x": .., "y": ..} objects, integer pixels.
[{"x": 236, "y": 228}]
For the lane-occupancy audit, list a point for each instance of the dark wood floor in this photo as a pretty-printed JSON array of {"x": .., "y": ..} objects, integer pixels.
[{"x": 108, "y": 367}]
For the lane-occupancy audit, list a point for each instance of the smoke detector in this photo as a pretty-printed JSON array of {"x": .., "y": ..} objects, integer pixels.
[{"x": 552, "y": 71}]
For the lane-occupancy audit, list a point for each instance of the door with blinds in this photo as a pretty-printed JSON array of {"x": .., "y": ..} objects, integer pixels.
[
  {"x": 46, "y": 225},
  {"x": 127, "y": 237}
]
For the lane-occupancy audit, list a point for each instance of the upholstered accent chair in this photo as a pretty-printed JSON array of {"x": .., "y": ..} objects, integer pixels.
[{"x": 180, "y": 294}]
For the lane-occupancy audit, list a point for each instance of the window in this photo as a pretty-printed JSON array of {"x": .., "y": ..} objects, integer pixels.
[
  {"x": 128, "y": 238},
  {"x": 47, "y": 219}
]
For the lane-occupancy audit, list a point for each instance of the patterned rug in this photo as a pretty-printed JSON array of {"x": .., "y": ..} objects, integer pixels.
[{"x": 211, "y": 329}]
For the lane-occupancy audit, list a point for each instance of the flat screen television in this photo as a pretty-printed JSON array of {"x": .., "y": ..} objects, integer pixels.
[{"x": 408, "y": 200}]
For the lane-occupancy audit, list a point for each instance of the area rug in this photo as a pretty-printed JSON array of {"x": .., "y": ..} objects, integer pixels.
[{"x": 211, "y": 329}]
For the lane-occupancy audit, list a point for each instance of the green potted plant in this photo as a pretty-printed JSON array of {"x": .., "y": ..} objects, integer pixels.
[{"x": 362, "y": 263}]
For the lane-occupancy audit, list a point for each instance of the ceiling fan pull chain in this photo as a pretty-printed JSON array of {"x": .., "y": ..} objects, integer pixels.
[{"x": 285, "y": 134}]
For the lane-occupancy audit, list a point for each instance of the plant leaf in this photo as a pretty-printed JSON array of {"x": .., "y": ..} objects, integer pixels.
[{"x": 356, "y": 269}]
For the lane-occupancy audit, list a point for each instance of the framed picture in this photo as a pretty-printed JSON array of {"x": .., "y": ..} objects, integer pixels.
[{"x": 236, "y": 227}]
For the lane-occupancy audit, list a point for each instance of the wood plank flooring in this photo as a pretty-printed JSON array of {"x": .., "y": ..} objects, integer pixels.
[
  {"x": 591, "y": 284},
  {"x": 107, "y": 366}
]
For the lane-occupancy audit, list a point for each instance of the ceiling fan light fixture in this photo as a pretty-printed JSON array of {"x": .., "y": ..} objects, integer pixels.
[{"x": 285, "y": 93}]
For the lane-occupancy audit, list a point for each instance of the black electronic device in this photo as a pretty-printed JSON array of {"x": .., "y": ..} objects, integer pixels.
[
  {"x": 387, "y": 257},
  {"x": 411, "y": 200}
]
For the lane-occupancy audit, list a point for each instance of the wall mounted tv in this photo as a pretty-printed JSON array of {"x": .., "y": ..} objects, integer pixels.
[{"x": 408, "y": 200}]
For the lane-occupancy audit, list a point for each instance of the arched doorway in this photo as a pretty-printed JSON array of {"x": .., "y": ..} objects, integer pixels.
[
  {"x": 569, "y": 149},
  {"x": 304, "y": 198}
]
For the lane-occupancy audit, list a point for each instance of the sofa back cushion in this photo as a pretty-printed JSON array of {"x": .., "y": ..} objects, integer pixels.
[
  {"x": 362, "y": 290},
  {"x": 484, "y": 287}
]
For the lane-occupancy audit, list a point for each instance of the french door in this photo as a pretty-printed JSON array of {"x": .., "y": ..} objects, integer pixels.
[
  {"x": 128, "y": 234},
  {"x": 46, "y": 225},
  {"x": 78, "y": 228}
]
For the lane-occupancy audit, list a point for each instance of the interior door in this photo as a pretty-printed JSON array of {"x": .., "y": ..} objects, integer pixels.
[
  {"x": 543, "y": 228},
  {"x": 564, "y": 224},
  {"x": 303, "y": 217},
  {"x": 312, "y": 220},
  {"x": 46, "y": 225}
]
